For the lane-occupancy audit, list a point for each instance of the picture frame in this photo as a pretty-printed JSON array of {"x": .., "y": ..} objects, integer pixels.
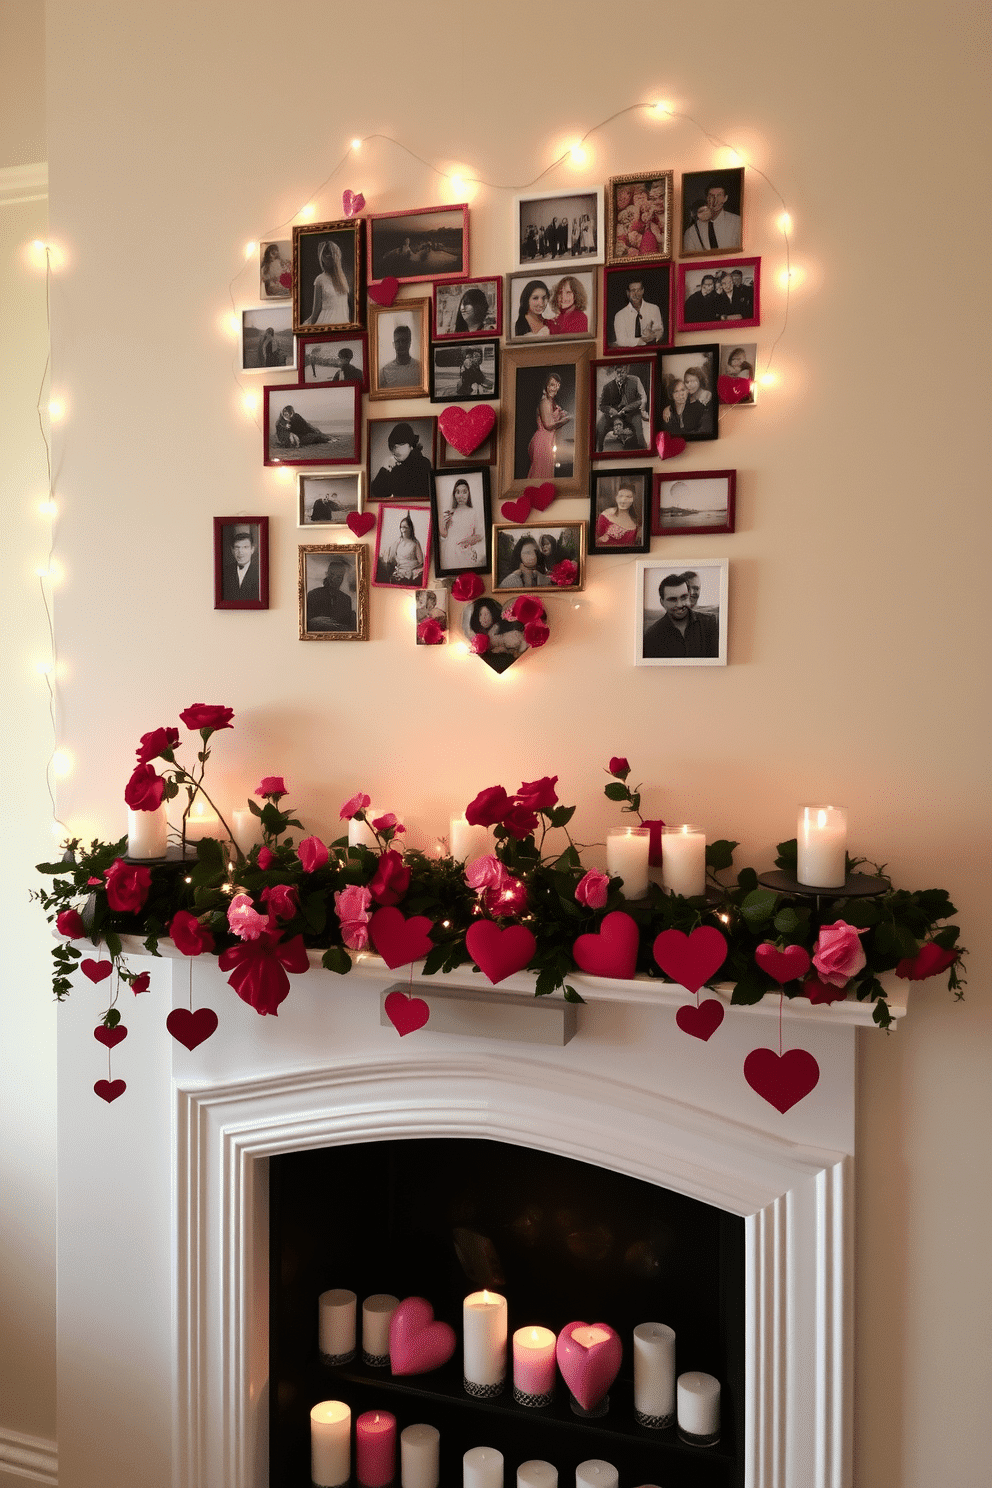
[
  {"x": 450, "y": 458},
  {"x": 275, "y": 269},
  {"x": 530, "y": 451},
  {"x": 629, "y": 291},
  {"x": 402, "y": 547},
  {"x": 739, "y": 360},
  {"x": 555, "y": 544},
  {"x": 399, "y": 350},
  {"x": 565, "y": 304},
  {"x": 639, "y": 217},
  {"x": 312, "y": 425},
  {"x": 713, "y": 197},
  {"x": 693, "y": 502},
  {"x": 334, "y": 591},
  {"x": 699, "y": 284},
  {"x": 465, "y": 371},
  {"x": 419, "y": 245},
  {"x": 267, "y": 340},
  {"x": 431, "y": 604},
  {"x": 327, "y": 277},
  {"x": 334, "y": 359},
  {"x": 393, "y": 475},
  {"x": 609, "y": 511},
  {"x": 473, "y": 307},
  {"x": 562, "y": 227},
  {"x": 688, "y": 403},
  {"x": 462, "y": 523},
  {"x": 621, "y": 407},
  {"x": 327, "y": 498},
  {"x": 681, "y": 630},
  {"x": 241, "y": 563}
]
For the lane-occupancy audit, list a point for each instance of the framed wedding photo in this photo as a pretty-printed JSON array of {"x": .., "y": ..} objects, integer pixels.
[
  {"x": 462, "y": 521},
  {"x": 275, "y": 269},
  {"x": 427, "y": 243},
  {"x": 400, "y": 455},
  {"x": 335, "y": 359},
  {"x": 695, "y": 502},
  {"x": 638, "y": 307},
  {"x": 563, "y": 228},
  {"x": 267, "y": 341},
  {"x": 327, "y": 277},
  {"x": 313, "y": 425},
  {"x": 639, "y": 217},
  {"x": 712, "y": 211},
  {"x": 328, "y": 499},
  {"x": 465, "y": 372},
  {"x": 241, "y": 563},
  {"x": 621, "y": 397},
  {"x": 548, "y": 556},
  {"x": 403, "y": 547},
  {"x": 399, "y": 348},
  {"x": 544, "y": 414},
  {"x": 472, "y": 308},
  {"x": 711, "y": 295},
  {"x": 548, "y": 303},
  {"x": 681, "y": 613},
  {"x": 334, "y": 592},
  {"x": 619, "y": 504},
  {"x": 687, "y": 392}
]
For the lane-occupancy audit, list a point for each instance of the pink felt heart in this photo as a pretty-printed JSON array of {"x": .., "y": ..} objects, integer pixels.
[
  {"x": 784, "y": 966},
  {"x": 97, "y": 971},
  {"x": 361, "y": 522},
  {"x": 613, "y": 951},
  {"x": 516, "y": 511},
  {"x": 692, "y": 959},
  {"x": 417, "y": 1344},
  {"x": 702, "y": 1021},
  {"x": 191, "y": 1028},
  {"x": 541, "y": 496},
  {"x": 466, "y": 428},
  {"x": 399, "y": 940},
  {"x": 499, "y": 953},
  {"x": 286, "y": 280},
  {"x": 588, "y": 1368},
  {"x": 406, "y": 1014},
  {"x": 110, "y": 1036},
  {"x": 668, "y": 445},
  {"x": 781, "y": 1079},
  {"x": 733, "y": 389},
  {"x": 109, "y": 1090},
  {"x": 353, "y": 202},
  {"x": 384, "y": 291}
]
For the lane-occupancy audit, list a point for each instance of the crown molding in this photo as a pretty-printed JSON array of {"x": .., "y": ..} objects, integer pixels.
[{"x": 23, "y": 183}]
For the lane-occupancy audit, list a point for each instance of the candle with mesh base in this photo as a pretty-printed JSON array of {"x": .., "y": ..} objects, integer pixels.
[
  {"x": 377, "y": 1313},
  {"x": 699, "y": 1408},
  {"x": 330, "y": 1444},
  {"x": 375, "y": 1449},
  {"x": 533, "y": 1366},
  {"x": 337, "y": 1324},
  {"x": 484, "y": 1333},
  {"x": 654, "y": 1375}
]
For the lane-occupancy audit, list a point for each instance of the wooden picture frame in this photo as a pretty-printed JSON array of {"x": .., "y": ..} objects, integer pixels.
[
  {"x": 327, "y": 277},
  {"x": 559, "y": 557},
  {"x": 324, "y": 615},
  {"x": 531, "y": 452},
  {"x": 399, "y": 350},
  {"x": 241, "y": 563}
]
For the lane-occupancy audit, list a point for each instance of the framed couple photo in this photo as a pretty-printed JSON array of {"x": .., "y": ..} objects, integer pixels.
[
  {"x": 267, "y": 340},
  {"x": 312, "y": 425},
  {"x": 328, "y": 500},
  {"x": 681, "y": 613},
  {"x": 426, "y": 243},
  {"x": 688, "y": 399},
  {"x": 712, "y": 211},
  {"x": 562, "y": 306},
  {"x": 464, "y": 371}
]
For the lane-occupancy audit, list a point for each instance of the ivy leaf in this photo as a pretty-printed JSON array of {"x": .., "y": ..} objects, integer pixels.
[
  {"x": 571, "y": 995},
  {"x": 435, "y": 959},
  {"x": 759, "y": 906},
  {"x": 788, "y": 856},
  {"x": 747, "y": 880},
  {"x": 560, "y": 816},
  {"x": 615, "y": 791},
  {"x": 720, "y": 854},
  {"x": 314, "y": 909},
  {"x": 336, "y": 958},
  {"x": 786, "y": 921},
  {"x": 210, "y": 854},
  {"x": 113, "y": 944},
  {"x": 894, "y": 941},
  {"x": 751, "y": 988}
]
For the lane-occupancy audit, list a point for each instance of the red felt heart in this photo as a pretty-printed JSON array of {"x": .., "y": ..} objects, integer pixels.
[
  {"x": 466, "y": 428},
  {"x": 110, "y": 1036},
  {"x": 690, "y": 959},
  {"x": 499, "y": 953},
  {"x": 352, "y": 201},
  {"x": 97, "y": 971},
  {"x": 361, "y": 522},
  {"x": 400, "y": 940},
  {"x": 668, "y": 445},
  {"x": 822, "y": 992},
  {"x": 286, "y": 280},
  {"x": 516, "y": 511},
  {"x": 109, "y": 1090},
  {"x": 541, "y": 496},
  {"x": 781, "y": 1079},
  {"x": 702, "y": 1021},
  {"x": 613, "y": 951},
  {"x": 417, "y": 1343},
  {"x": 588, "y": 1369},
  {"x": 784, "y": 966},
  {"x": 406, "y": 1014},
  {"x": 384, "y": 291},
  {"x": 190, "y": 1028},
  {"x": 733, "y": 389}
]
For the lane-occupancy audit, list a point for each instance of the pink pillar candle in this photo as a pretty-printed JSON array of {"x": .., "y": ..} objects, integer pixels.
[
  {"x": 534, "y": 1361},
  {"x": 375, "y": 1449}
]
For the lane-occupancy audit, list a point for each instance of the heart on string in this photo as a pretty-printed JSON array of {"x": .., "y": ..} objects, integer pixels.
[
  {"x": 191, "y": 1029},
  {"x": 781, "y": 1079},
  {"x": 406, "y": 1014},
  {"x": 361, "y": 522},
  {"x": 97, "y": 971},
  {"x": 384, "y": 291},
  {"x": 466, "y": 428},
  {"x": 613, "y": 951},
  {"x": 499, "y": 953},
  {"x": 353, "y": 202},
  {"x": 783, "y": 966},
  {"x": 516, "y": 511},
  {"x": 668, "y": 445},
  {"x": 110, "y": 1036},
  {"x": 399, "y": 940},
  {"x": 733, "y": 389},
  {"x": 541, "y": 496},
  {"x": 109, "y": 1090},
  {"x": 417, "y": 1344},
  {"x": 588, "y": 1367},
  {"x": 286, "y": 280},
  {"x": 692, "y": 959},
  {"x": 702, "y": 1021}
]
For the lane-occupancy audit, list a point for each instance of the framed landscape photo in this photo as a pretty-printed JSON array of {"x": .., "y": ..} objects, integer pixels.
[
  {"x": 711, "y": 295},
  {"x": 313, "y": 425},
  {"x": 275, "y": 269},
  {"x": 422, "y": 244},
  {"x": 334, "y": 592},
  {"x": 638, "y": 307},
  {"x": 544, "y": 416},
  {"x": 241, "y": 563},
  {"x": 399, "y": 347},
  {"x": 694, "y": 502},
  {"x": 681, "y": 613},
  {"x": 472, "y": 308},
  {"x": 619, "y": 506},
  {"x": 548, "y": 303},
  {"x": 465, "y": 372},
  {"x": 267, "y": 340},
  {"x": 563, "y": 228},
  {"x": 549, "y": 557},
  {"x": 639, "y": 217},
  {"x": 738, "y": 361},
  {"x": 327, "y": 276},
  {"x": 403, "y": 547},
  {"x": 462, "y": 521},
  {"x": 687, "y": 392},
  {"x": 335, "y": 359},
  {"x": 712, "y": 211},
  {"x": 328, "y": 499},
  {"x": 621, "y": 401},
  {"x": 400, "y": 455}
]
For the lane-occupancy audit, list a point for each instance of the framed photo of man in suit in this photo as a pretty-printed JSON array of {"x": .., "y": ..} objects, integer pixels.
[
  {"x": 638, "y": 307},
  {"x": 712, "y": 212},
  {"x": 681, "y": 613},
  {"x": 241, "y": 563},
  {"x": 621, "y": 396}
]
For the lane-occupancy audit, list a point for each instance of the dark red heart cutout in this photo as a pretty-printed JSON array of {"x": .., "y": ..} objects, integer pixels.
[
  {"x": 668, "y": 445},
  {"x": 516, "y": 511},
  {"x": 822, "y": 992},
  {"x": 110, "y": 1036},
  {"x": 97, "y": 971},
  {"x": 466, "y": 428},
  {"x": 384, "y": 291},
  {"x": 406, "y": 1014},
  {"x": 109, "y": 1090},
  {"x": 541, "y": 496},
  {"x": 784, "y": 966},
  {"x": 702, "y": 1021},
  {"x": 733, "y": 389},
  {"x": 781, "y": 1079},
  {"x": 499, "y": 953},
  {"x": 190, "y": 1028},
  {"x": 286, "y": 280},
  {"x": 690, "y": 959},
  {"x": 613, "y": 951},
  {"x": 399, "y": 940},
  {"x": 361, "y": 522}
]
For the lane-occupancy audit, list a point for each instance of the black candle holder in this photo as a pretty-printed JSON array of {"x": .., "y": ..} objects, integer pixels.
[
  {"x": 856, "y": 886},
  {"x": 601, "y": 1408}
]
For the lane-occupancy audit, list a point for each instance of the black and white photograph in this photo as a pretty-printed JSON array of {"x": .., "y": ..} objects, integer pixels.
[
  {"x": 687, "y": 393},
  {"x": 697, "y": 501},
  {"x": 448, "y": 455},
  {"x": 712, "y": 294},
  {"x": 334, "y": 592},
  {"x": 619, "y": 507},
  {"x": 466, "y": 372},
  {"x": 267, "y": 340},
  {"x": 403, "y": 547},
  {"x": 493, "y": 633},
  {"x": 551, "y": 305},
  {"x": 540, "y": 555},
  {"x": 638, "y": 309},
  {"x": 545, "y": 410},
  {"x": 398, "y": 346},
  {"x": 327, "y": 276},
  {"x": 241, "y": 563},
  {"x": 472, "y": 308},
  {"x": 681, "y": 613},
  {"x": 335, "y": 359},
  {"x": 431, "y": 612},
  {"x": 738, "y": 363},
  {"x": 312, "y": 425},
  {"x": 328, "y": 499},
  {"x": 639, "y": 217},
  {"x": 712, "y": 211},
  {"x": 622, "y": 395},
  {"x": 275, "y": 269},
  {"x": 558, "y": 227},
  {"x": 400, "y": 458},
  {"x": 426, "y": 243},
  {"x": 462, "y": 522}
]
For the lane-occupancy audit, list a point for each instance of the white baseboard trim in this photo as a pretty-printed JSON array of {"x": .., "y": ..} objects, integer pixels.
[
  {"x": 31, "y": 1458},
  {"x": 23, "y": 183}
]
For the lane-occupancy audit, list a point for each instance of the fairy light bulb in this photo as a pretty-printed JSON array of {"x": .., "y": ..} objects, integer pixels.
[
  {"x": 47, "y": 508},
  {"x": 56, "y": 409},
  {"x": 661, "y": 109},
  {"x": 456, "y": 183},
  {"x": 43, "y": 668},
  {"x": 784, "y": 222},
  {"x": 249, "y": 402},
  {"x": 356, "y": 144},
  {"x": 250, "y": 248},
  {"x": 61, "y": 763},
  {"x": 307, "y": 213},
  {"x": 768, "y": 379},
  {"x": 577, "y": 152}
]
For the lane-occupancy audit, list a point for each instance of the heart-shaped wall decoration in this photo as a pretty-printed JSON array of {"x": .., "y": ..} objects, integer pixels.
[
  {"x": 97, "y": 971},
  {"x": 702, "y": 1020},
  {"x": 541, "y": 496},
  {"x": 417, "y": 1344},
  {"x": 360, "y": 522},
  {"x": 499, "y": 953},
  {"x": 109, "y": 1090},
  {"x": 397, "y": 939},
  {"x": 516, "y": 511},
  {"x": 466, "y": 428},
  {"x": 406, "y": 1014},
  {"x": 384, "y": 291},
  {"x": 612, "y": 952},
  {"x": 781, "y": 1079},
  {"x": 784, "y": 966},
  {"x": 733, "y": 389},
  {"x": 692, "y": 959},
  {"x": 589, "y": 1357},
  {"x": 501, "y": 636},
  {"x": 668, "y": 445},
  {"x": 191, "y": 1028},
  {"x": 111, "y": 1037},
  {"x": 352, "y": 202}
]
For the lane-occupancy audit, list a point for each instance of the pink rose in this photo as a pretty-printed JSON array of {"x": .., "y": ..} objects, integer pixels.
[
  {"x": 930, "y": 960},
  {"x": 69, "y": 923},
  {"x": 538, "y": 795},
  {"x": 244, "y": 919},
  {"x": 392, "y": 878},
  {"x": 209, "y": 716},
  {"x": 509, "y": 899},
  {"x": 619, "y": 767},
  {"x": 593, "y": 889},
  {"x": 357, "y": 802},
  {"x": 564, "y": 574},
  {"x": 467, "y": 586},
  {"x": 282, "y": 901},
  {"x": 140, "y": 983},
  {"x": 351, "y": 905},
  {"x": 536, "y": 634},
  {"x": 819, "y": 992},
  {"x": 520, "y": 822},
  {"x": 265, "y": 857},
  {"x": 271, "y": 785},
  {"x": 127, "y": 886},
  {"x": 156, "y": 743},
  {"x": 388, "y": 823},
  {"x": 355, "y": 934},
  {"x": 188, "y": 935},
  {"x": 489, "y": 807},
  {"x": 839, "y": 953},
  {"x": 485, "y": 873},
  {"x": 145, "y": 789},
  {"x": 479, "y": 644},
  {"x": 429, "y": 633},
  {"x": 524, "y": 608},
  {"x": 312, "y": 854}
]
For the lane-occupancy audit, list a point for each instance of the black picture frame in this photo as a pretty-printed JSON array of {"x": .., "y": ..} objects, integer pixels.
[
  {"x": 671, "y": 417},
  {"x": 618, "y": 324},
  {"x": 604, "y": 486},
  {"x": 478, "y": 558},
  {"x": 453, "y": 375}
]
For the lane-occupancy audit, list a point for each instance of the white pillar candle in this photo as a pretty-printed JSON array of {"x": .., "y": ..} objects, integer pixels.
[
  {"x": 699, "y": 1404},
  {"x": 537, "y": 1474},
  {"x": 377, "y": 1314},
  {"x": 683, "y": 860},
  {"x": 821, "y": 840},
  {"x": 330, "y": 1443},
  {"x": 203, "y": 821},
  {"x": 420, "y": 1456},
  {"x": 147, "y": 833},
  {"x": 466, "y": 842},
  {"x": 654, "y": 1372},
  {"x": 360, "y": 833},
  {"x": 533, "y": 1361},
  {"x": 246, "y": 828},
  {"x": 482, "y": 1467},
  {"x": 337, "y": 1322},
  {"x": 596, "y": 1474},
  {"x": 484, "y": 1331},
  {"x": 627, "y": 851}
]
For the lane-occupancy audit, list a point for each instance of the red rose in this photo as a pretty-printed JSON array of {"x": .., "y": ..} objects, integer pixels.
[
  {"x": 509, "y": 899},
  {"x": 145, "y": 789},
  {"x": 156, "y": 743},
  {"x": 619, "y": 767},
  {"x": 818, "y": 991},
  {"x": 536, "y": 634},
  {"x": 525, "y": 608},
  {"x": 564, "y": 574},
  {"x": 188, "y": 935},
  {"x": 209, "y": 716},
  {"x": 258, "y": 970},
  {"x": 467, "y": 586},
  {"x": 520, "y": 822},
  {"x": 930, "y": 960},
  {"x": 69, "y": 923},
  {"x": 282, "y": 901},
  {"x": 429, "y": 633},
  {"x": 392, "y": 877},
  {"x": 265, "y": 857},
  {"x": 271, "y": 785},
  {"x": 140, "y": 983},
  {"x": 127, "y": 886},
  {"x": 538, "y": 795},
  {"x": 489, "y": 807},
  {"x": 655, "y": 857},
  {"x": 479, "y": 644},
  {"x": 312, "y": 853}
]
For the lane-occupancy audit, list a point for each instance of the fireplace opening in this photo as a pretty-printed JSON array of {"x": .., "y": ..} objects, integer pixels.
[{"x": 561, "y": 1240}]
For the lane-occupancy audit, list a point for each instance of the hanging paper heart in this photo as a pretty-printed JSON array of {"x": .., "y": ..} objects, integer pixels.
[
  {"x": 516, "y": 511},
  {"x": 702, "y": 1021},
  {"x": 286, "y": 280},
  {"x": 353, "y": 202},
  {"x": 97, "y": 971},
  {"x": 668, "y": 445},
  {"x": 189, "y": 1028},
  {"x": 822, "y": 992},
  {"x": 397, "y": 939},
  {"x": 466, "y": 428},
  {"x": 384, "y": 291},
  {"x": 110, "y": 1036},
  {"x": 733, "y": 389},
  {"x": 361, "y": 522},
  {"x": 541, "y": 496},
  {"x": 499, "y": 953},
  {"x": 784, "y": 966},
  {"x": 781, "y": 1079},
  {"x": 109, "y": 1090},
  {"x": 589, "y": 1364},
  {"x": 406, "y": 1014},
  {"x": 692, "y": 959},
  {"x": 417, "y": 1344},
  {"x": 613, "y": 951}
]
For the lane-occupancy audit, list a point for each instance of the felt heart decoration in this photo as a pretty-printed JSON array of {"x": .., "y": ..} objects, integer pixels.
[
  {"x": 541, "y": 496},
  {"x": 406, "y": 1014},
  {"x": 692, "y": 959},
  {"x": 361, "y": 522},
  {"x": 97, "y": 971},
  {"x": 822, "y": 992},
  {"x": 110, "y": 1036},
  {"x": 668, "y": 445},
  {"x": 784, "y": 966},
  {"x": 702, "y": 1021},
  {"x": 781, "y": 1079},
  {"x": 191, "y": 1028},
  {"x": 516, "y": 511},
  {"x": 353, "y": 202},
  {"x": 384, "y": 291},
  {"x": 588, "y": 1367},
  {"x": 613, "y": 951},
  {"x": 733, "y": 389},
  {"x": 466, "y": 428},
  {"x": 397, "y": 939},
  {"x": 417, "y": 1344},
  {"x": 499, "y": 953},
  {"x": 109, "y": 1090},
  {"x": 286, "y": 280}
]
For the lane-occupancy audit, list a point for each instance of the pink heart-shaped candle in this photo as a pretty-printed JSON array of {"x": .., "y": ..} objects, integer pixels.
[
  {"x": 111, "y": 1037},
  {"x": 406, "y": 1014},
  {"x": 397, "y": 939},
  {"x": 499, "y": 953},
  {"x": 668, "y": 445},
  {"x": 516, "y": 511},
  {"x": 733, "y": 389},
  {"x": 589, "y": 1357},
  {"x": 190, "y": 1028},
  {"x": 97, "y": 971},
  {"x": 781, "y": 1079},
  {"x": 109, "y": 1090},
  {"x": 466, "y": 428},
  {"x": 352, "y": 202},
  {"x": 692, "y": 959},
  {"x": 783, "y": 966},
  {"x": 361, "y": 522},
  {"x": 417, "y": 1344},
  {"x": 384, "y": 291},
  {"x": 613, "y": 951},
  {"x": 541, "y": 496},
  {"x": 702, "y": 1021}
]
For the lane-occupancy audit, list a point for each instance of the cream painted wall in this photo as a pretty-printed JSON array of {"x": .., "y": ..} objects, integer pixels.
[{"x": 858, "y": 654}]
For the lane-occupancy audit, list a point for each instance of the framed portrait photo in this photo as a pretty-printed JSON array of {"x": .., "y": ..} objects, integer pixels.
[
  {"x": 619, "y": 506},
  {"x": 399, "y": 349},
  {"x": 687, "y": 392},
  {"x": 472, "y": 308},
  {"x": 400, "y": 454},
  {"x": 336, "y": 359},
  {"x": 544, "y": 414},
  {"x": 621, "y": 404},
  {"x": 545, "y": 556},
  {"x": 712, "y": 211},
  {"x": 334, "y": 592},
  {"x": 328, "y": 499},
  {"x": 267, "y": 340},
  {"x": 327, "y": 276},
  {"x": 563, "y": 228},
  {"x": 241, "y": 563},
  {"x": 403, "y": 547},
  {"x": 425, "y": 243},
  {"x": 313, "y": 425},
  {"x": 465, "y": 372},
  {"x": 462, "y": 521},
  {"x": 275, "y": 269},
  {"x": 681, "y": 613},
  {"x": 738, "y": 361},
  {"x": 549, "y": 304},
  {"x": 695, "y": 502},
  {"x": 637, "y": 307},
  {"x": 639, "y": 217},
  {"x": 431, "y": 613},
  {"x": 711, "y": 295}
]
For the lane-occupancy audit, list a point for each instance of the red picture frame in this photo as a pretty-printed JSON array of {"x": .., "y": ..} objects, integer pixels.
[
  {"x": 629, "y": 413},
  {"x": 331, "y": 408},
  {"x": 396, "y": 240},
  {"x": 690, "y": 292},
  {"x": 240, "y": 586},
  {"x": 718, "y": 522},
  {"x": 308, "y": 353}
]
